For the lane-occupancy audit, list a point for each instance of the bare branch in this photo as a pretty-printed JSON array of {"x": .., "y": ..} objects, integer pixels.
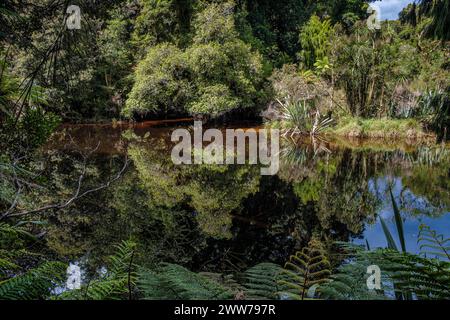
[{"x": 76, "y": 196}]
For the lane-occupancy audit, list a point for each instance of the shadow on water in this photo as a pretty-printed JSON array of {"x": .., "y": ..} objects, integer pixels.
[{"x": 226, "y": 218}]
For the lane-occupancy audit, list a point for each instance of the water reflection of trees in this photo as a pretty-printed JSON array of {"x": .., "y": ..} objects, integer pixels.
[
  {"x": 337, "y": 184},
  {"x": 425, "y": 179},
  {"x": 263, "y": 217},
  {"x": 213, "y": 192},
  {"x": 217, "y": 218},
  {"x": 431, "y": 183}
]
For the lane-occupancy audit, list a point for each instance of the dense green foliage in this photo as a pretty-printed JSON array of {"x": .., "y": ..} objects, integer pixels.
[
  {"x": 196, "y": 230},
  {"x": 17, "y": 281},
  {"x": 117, "y": 282},
  {"x": 226, "y": 49},
  {"x": 212, "y": 58},
  {"x": 216, "y": 74},
  {"x": 306, "y": 275},
  {"x": 433, "y": 14},
  {"x": 315, "y": 41},
  {"x": 175, "y": 282}
]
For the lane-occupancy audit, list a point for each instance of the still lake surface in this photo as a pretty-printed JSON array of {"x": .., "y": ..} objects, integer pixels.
[{"x": 228, "y": 218}]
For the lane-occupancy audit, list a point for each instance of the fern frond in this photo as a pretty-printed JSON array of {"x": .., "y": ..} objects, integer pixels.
[
  {"x": 350, "y": 281},
  {"x": 34, "y": 284},
  {"x": 120, "y": 261},
  {"x": 175, "y": 282},
  {"x": 6, "y": 266},
  {"x": 227, "y": 281},
  {"x": 304, "y": 270},
  {"x": 261, "y": 281},
  {"x": 429, "y": 239},
  {"x": 117, "y": 283},
  {"x": 406, "y": 275},
  {"x": 420, "y": 277}
]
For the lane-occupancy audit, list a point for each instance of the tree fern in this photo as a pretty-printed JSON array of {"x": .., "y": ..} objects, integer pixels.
[
  {"x": 117, "y": 283},
  {"x": 349, "y": 284},
  {"x": 304, "y": 270},
  {"x": 261, "y": 281},
  {"x": 36, "y": 283},
  {"x": 16, "y": 282},
  {"x": 172, "y": 281},
  {"x": 350, "y": 280},
  {"x": 435, "y": 244},
  {"x": 6, "y": 266},
  {"x": 419, "y": 277},
  {"x": 405, "y": 276},
  {"x": 13, "y": 232}
]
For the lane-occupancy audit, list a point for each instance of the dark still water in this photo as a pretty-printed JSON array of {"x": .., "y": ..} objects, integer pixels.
[{"x": 227, "y": 218}]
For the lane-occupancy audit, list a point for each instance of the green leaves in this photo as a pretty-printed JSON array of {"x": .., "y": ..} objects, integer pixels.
[
  {"x": 14, "y": 278},
  {"x": 315, "y": 41},
  {"x": 118, "y": 282},
  {"x": 398, "y": 224},
  {"x": 406, "y": 275},
  {"x": 398, "y": 221},
  {"x": 302, "y": 118},
  {"x": 215, "y": 24},
  {"x": 350, "y": 280},
  {"x": 214, "y": 100},
  {"x": 304, "y": 271},
  {"x": 36, "y": 283},
  {"x": 416, "y": 277},
  {"x": 439, "y": 11},
  {"x": 216, "y": 74},
  {"x": 261, "y": 281},
  {"x": 162, "y": 82},
  {"x": 172, "y": 281},
  {"x": 390, "y": 240},
  {"x": 433, "y": 244}
]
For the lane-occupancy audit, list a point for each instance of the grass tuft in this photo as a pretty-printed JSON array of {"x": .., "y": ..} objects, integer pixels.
[{"x": 378, "y": 128}]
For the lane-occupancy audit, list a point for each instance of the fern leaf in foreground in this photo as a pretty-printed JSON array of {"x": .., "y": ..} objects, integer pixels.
[
  {"x": 350, "y": 281},
  {"x": 227, "y": 281},
  {"x": 435, "y": 244},
  {"x": 419, "y": 277},
  {"x": 117, "y": 283},
  {"x": 34, "y": 284},
  {"x": 172, "y": 281},
  {"x": 404, "y": 276},
  {"x": 6, "y": 266},
  {"x": 261, "y": 281},
  {"x": 304, "y": 271}
]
